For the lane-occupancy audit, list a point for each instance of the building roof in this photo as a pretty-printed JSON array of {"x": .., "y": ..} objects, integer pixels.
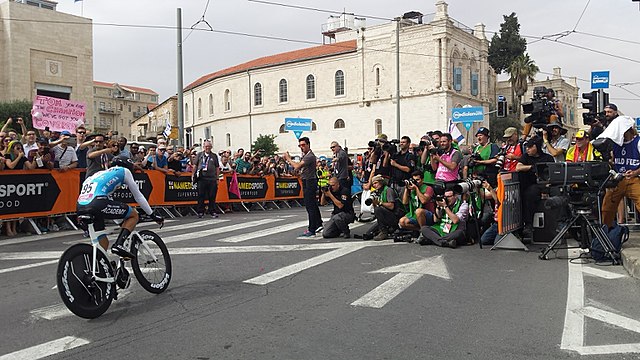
[
  {"x": 126, "y": 87},
  {"x": 278, "y": 59}
]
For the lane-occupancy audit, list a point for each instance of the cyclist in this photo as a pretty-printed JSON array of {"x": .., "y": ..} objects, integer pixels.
[{"x": 95, "y": 199}]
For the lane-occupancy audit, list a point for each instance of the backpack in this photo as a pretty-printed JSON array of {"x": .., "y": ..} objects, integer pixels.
[{"x": 618, "y": 235}]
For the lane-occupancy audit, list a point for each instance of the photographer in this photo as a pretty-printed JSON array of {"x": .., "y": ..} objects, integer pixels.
[
  {"x": 429, "y": 144},
  {"x": 529, "y": 188},
  {"x": 402, "y": 164},
  {"x": 490, "y": 235},
  {"x": 553, "y": 109},
  {"x": 626, "y": 159},
  {"x": 449, "y": 222},
  {"x": 483, "y": 158},
  {"x": 340, "y": 165},
  {"x": 511, "y": 153},
  {"x": 417, "y": 199},
  {"x": 610, "y": 113},
  {"x": 583, "y": 150},
  {"x": 387, "y": 207},
  {"x": 380, "y": 157},
  {"x": 557, "y": 144},
  {"x": 446, "y": 161},
  {"x": 41, "y": 158},
  {"x": 342, "y": 214}
]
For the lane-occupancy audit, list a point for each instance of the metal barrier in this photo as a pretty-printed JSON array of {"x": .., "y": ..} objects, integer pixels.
[{"x": 509, "y": 212}]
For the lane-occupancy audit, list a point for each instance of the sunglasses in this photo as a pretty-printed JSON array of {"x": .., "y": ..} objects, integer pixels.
[
  {"x": 162, "y": 149},
  {"x": 81, "y": 132},
  {"x": 98, "y": 142},
  {"x": 31, "y": 134},
  {"x": 6, "y": 140}
]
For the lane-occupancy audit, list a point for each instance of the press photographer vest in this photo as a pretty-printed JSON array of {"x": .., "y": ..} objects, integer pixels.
[
  {"x": 627, "y": 157},
  {"x": 444, "y": 173},
  {"x": 414, "y": 202},
  {"x": 446, "y": 226}
]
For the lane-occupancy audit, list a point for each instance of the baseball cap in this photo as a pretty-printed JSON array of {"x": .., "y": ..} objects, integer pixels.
[
  {"x": 483, "y": 130},
  {"x": 65, "y": 132},
  {"x": 42, "y": 140},
  {"x": 379, "y": 178},
  {"x": 612, "y": 107},
  {"x": 510, "y": 131},
  {"x": 581, "y": 134}
]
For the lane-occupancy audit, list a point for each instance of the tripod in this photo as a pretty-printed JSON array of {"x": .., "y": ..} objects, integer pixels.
[{"x": 587, "y": 226}]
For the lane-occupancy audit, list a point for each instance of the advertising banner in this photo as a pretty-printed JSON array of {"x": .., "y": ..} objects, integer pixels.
[
  {"x": 57, "y": 114},
  {"x": 287, "y": 188},
  {"x": 144, "y": 185},
  {"x": 179, "y": 189},
  {"x": 251, "y": 187}
]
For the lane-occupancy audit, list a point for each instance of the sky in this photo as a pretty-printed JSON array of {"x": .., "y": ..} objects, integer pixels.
[{"x": 146, "y": 57}]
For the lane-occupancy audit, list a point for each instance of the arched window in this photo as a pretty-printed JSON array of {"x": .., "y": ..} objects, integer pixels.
[
  {"x": 311, "y": 87},
  {"x": 339, "y": 77},
  {"x": 338, "y": 124},
  {"x": 282, "y": 130},
  {"x": 283, "y": 91},
  {"x": 186, "y": 112},
  {"x": 456, "y": 67},
  {"x": 207, "y": 133},
  {"x": 378, "y": 127},
  {"x": 377, "y": 76},
  {"x": 313, "y": 126},
  {"x": 228, "y": 140},
  {"x": 257, "y": 94},
  {"x": 199, "y": 108},
  {"x": 227, "y": 100},
  {"x": 210, "y": 104}
]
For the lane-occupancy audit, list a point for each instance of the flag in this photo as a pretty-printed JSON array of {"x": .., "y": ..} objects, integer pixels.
[
  {"x": 75, "y": 1},
  {"x": 167, "y": 130},
  {"x": 455, "y": 133},
  {"x": 233, "y": 185}
]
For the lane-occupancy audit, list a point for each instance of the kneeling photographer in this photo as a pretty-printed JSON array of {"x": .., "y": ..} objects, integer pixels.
[
  {"x": 530, "y": 190},
  {"x": 342, "y": 214},
  {"x": 387, "y": 208},
  {"x": 449, "y": 222},
  {"x": 418, "y": 200}
]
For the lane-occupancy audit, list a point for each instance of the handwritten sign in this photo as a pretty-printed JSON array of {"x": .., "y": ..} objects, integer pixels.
[{"x": 57, "y": 114}]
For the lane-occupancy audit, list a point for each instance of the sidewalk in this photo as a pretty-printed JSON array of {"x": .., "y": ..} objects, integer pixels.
[{"x": 631, "y": 254}]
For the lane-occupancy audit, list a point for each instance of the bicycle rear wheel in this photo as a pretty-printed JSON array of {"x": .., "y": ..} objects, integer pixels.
[
  {"x": 81, "y": 294},
  {"x": 151, "y": 263}
]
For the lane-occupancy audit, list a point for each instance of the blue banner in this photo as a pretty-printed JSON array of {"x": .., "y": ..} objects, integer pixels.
[
  {"x": 468, "y": 114},
  {"x": 297, "y": 124},
  {"x": 600, "y": 79}
]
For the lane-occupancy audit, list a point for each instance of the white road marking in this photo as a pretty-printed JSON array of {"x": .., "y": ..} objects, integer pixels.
[
  {"x": 408, "y": 274},
  {"x": 319, "y": 235},
  {"x": 255, "y": 248},
  {"x": 263, "y": 232},
  {"x": 47, "y": 349},
  {"x": 216, "y": 231},
  {"x": 57, "y": 311},
  {"x": 601, "y": 273},
  {"x": 343, "y": 249},
  {"x": 574, "y": 323},
  {"x": 23, "y": 267}
]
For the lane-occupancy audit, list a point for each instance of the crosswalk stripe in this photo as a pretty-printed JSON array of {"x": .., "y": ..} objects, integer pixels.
[
  {"x": 47, "y": 349},
  {"x": 220, "y": 230},
  {"x": 264, "y": 232},
  {"x": 23, "y": 267},
  {"x": 57, "y": 311}
]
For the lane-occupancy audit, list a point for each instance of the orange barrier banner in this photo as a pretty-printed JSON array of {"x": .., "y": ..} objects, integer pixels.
[
  {"x": 509, "y": 211},
  {"x": 37, "y": 193}
]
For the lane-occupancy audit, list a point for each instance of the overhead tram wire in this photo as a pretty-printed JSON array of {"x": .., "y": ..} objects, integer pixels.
[
  {"x": 299, "y": 7},
  {"x": 581, "y": 15},
  {"x": 202, "y": 20}
]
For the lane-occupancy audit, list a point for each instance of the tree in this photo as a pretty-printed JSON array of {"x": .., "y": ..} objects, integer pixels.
[
  {"x": 499, "y": 125},
  {"x": 266, "y": 143},
  {"x": 14, "y": 109},
  {"x": 507, "y": 46},
  {"x": 522, "y": 70}
]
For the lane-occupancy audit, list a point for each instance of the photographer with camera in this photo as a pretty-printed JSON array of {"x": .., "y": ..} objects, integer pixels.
[
  {"x": 387, "y": 207},
  {"x": 583, "y": 150},
  {"x": 547, "y": 109},
  {"x": 529, "y": 188},
  {"x": 42, "y": 157},
  {"x": 429, "y": 144},
  {"x": 511, "y": 153},
  {"x": 340, "y": 165},
  {"x": 418, "y": 200},
  {"x": 446, "y": 160},
  {"x": 483, "y": 158},
  {"x": 449, "y": 219},
  {"x": 626, "y": 160},
  {"x": 610, "y": 113},
  {"x": 555, "y": 144},
  {"x": 342, "y": 214},
  {"x": 402, "y": 163}
]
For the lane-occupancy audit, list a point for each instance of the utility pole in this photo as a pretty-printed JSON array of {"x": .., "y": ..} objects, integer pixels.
[
  {"x": 180, "y": 85},
  {"x": 398, "y": 78}
]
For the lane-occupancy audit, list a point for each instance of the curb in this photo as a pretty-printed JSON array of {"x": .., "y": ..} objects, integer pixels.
[{"x": 630, "y": 255}]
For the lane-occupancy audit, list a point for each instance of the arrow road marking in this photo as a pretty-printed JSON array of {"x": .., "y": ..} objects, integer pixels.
[
  {"x": 47, "y": 349},
  {"x": 408, "y": 274}
]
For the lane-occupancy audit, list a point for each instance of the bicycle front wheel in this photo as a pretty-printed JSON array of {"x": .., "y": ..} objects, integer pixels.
[
  {"x": 151, "y": 263},
  {"x": 80, "y": 292}
]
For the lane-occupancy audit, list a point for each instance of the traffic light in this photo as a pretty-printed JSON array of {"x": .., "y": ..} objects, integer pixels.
[
  {"x": 605, "y": 100},
  {"x": 592, "y": 102},
  {"x": 502, "y": 109}
]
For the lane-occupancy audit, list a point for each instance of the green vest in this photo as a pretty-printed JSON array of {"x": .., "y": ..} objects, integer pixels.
[
  {"x": 323, "y": 180},
  {"x": 414, "y": 202},
  {"x": 485, "y": 154},
  {"x": 446, "y": 225}
]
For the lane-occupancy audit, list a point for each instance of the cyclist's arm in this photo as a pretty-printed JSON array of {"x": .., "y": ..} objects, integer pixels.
[{"x": 137, "y": 195}]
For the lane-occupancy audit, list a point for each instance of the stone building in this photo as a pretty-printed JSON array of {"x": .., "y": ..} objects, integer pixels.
[
  {"x": 566, "y": 91},
  {"x": 45, "y": 52},
  {"x": 153, "y": 123},
  {"x": 348, "y": 86},
  {"x": 116, "y": 106}
]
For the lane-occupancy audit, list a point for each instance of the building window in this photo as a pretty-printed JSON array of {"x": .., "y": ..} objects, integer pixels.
[
  {"x": 338, "y": 124},
  {"x": 227, "y": 100},
  {"x": 378, "y": 127},
  {"x": 282, "y": 130},
  {"x": 457, "y": 78},
  {"x": 377, "y": 76},
  {"x": 339, "y": 83},
  {"x": 199, "y": 108},
  {"x": 129, "y": 108},
  {"x": 282, "y": 87},
  {"x": 313, "y": 126},
  {"x": 228, "y": 139},
  {"x": 186, "y": 112},
  {"x": 210, "y": 104},
  {"x": 207, "y": 133},
  {"x": 121, "y": 107},
  {"x": 474, "y": 84},
  {"x": 311, "y": 87},
  {"x": 257, "y": 94},
  {"x": 102, "y": 106}
]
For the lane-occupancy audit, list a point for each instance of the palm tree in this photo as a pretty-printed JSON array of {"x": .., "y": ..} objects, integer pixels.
[{"x": 522, "y": 71}]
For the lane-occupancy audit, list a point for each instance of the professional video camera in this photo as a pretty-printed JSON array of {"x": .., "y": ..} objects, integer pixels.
[
  {"x": 467, "y": 186},
  {"x": 589, "y": 118},
  {"x": 391, "y": 146},
  {"x": 540, "y": 108}
]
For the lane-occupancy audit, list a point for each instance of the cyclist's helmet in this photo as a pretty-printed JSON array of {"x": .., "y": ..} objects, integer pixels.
[{"x": 122, "y": 161}]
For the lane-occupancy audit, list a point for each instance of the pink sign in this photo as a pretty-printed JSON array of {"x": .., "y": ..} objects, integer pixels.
[{"x": 57, "y": 114}]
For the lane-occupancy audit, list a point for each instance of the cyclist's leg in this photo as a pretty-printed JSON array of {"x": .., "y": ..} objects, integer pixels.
[{"x": 121, "y": 211}]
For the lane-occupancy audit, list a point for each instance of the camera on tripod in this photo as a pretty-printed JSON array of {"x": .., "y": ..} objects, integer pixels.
[{"x": 540, "y": 108}]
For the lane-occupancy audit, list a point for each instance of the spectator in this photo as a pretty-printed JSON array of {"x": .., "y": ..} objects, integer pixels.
[
  {"x": 42, "y": 157},
  {"x": 122, "y": 147},
  {"x": 555, "y": 143},
  {"x": 29, "y": 140},
  {"x": 99, "y": 156},
  {"x": 82, "y": 147},
  {"x": 175, "y": 162},
  {"x": 65, "y": 154},
  {"x": 512, "y": 150},
  {"x": 205, "y": 174},
  {"x": 342, "y": 214},
  {"x": 446, "y": 161},
  {"x": 417, "y": 200},
  {"x": 387, "y": 207},
  {"x": 238, "y": 155},
  {"x": 157, "y": 160},
  {"x": 225, "y": 167},
  {"x": 243, "y": 164},
  {"x": 582, "y": 150},
  {"x": 449, "y": 222},
  {"x": 191, "y": 164},
  {"x": 15, "y": 158}
]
